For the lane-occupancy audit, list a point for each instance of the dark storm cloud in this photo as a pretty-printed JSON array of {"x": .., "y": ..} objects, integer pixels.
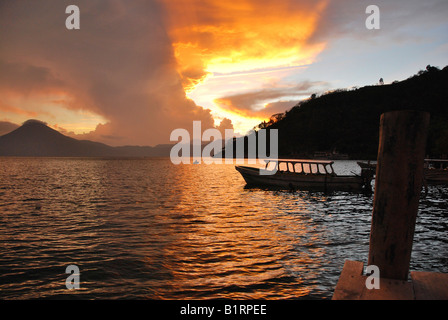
[{"x": 120, "y": 64}]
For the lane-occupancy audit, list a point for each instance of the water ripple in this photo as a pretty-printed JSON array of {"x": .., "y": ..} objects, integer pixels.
[{"x": 146, "y": 229}]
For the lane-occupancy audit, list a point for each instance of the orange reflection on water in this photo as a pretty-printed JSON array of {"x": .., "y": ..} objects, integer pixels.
[
  {"x": 225, "y": 248},
  {"x": 148, "y": 228}
]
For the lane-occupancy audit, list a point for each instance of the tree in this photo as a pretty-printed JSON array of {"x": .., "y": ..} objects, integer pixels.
[{"x": 430, "y": 68}]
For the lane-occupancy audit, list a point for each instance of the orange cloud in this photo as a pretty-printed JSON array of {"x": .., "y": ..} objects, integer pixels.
[
  {"x": 119, "y": 67},
  {"x": 214, "y": 36},
  {"x": 262, "y": 114},
  {"x": 133, "y": 62},
  {"x": 263, "y": 103},
  {"x": 11, "y": 109}
]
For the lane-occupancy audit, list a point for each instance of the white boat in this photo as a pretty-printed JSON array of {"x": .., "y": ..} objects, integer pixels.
[{"x": 303, "y": 175}]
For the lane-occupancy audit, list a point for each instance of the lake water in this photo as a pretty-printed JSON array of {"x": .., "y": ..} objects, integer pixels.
[{"x": 147, "y": 229}]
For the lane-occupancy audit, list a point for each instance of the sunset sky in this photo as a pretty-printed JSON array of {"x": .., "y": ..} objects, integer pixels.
[{"x": 138, "y": 69}]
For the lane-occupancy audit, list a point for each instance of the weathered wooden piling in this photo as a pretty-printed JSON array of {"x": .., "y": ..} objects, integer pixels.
[{"x": 399, "y": 178}]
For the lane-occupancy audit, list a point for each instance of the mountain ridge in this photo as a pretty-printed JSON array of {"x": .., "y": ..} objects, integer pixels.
[
  {"x": 342, "y": 122},
  {"x": 347, "y": 121},
  {"x": 35, "y": 139}
]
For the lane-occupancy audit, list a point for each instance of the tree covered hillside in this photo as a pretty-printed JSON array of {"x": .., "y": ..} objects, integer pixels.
[{"x": 347, "y": 121}]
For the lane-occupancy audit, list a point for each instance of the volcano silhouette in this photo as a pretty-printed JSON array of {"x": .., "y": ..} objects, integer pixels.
[{"x": 35, "y": 139}]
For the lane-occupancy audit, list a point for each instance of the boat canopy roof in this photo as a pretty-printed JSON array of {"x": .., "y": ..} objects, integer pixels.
[
  {"x": 436, "y": 160},
  {"x": 300, "y": 161},
  {"x": 436, "y": 164}
]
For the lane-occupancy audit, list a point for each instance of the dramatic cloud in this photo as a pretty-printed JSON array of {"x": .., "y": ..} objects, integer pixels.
[
  {"x": 15, "y": 110},
  {"x": 24, "y": 79},
  {"x": 266, "y": 102},
  {"x": 138, "y": 69},
  {"x": 6, "y": 127},
  {"x": 220, "y": 37},
  {"x": 225, "y": 124},
  {"x": 120, "y": 65},
  {"x": 401, "y": 20}
]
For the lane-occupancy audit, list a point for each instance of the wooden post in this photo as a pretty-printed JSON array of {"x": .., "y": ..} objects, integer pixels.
[{"x": 399, "y": 177}]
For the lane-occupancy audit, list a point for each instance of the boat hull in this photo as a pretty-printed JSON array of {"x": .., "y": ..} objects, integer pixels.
[
  {"x": 431, "y": 175},
  {"x": 436, "y": 176},
  {"x": 286, "y": 180}
]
